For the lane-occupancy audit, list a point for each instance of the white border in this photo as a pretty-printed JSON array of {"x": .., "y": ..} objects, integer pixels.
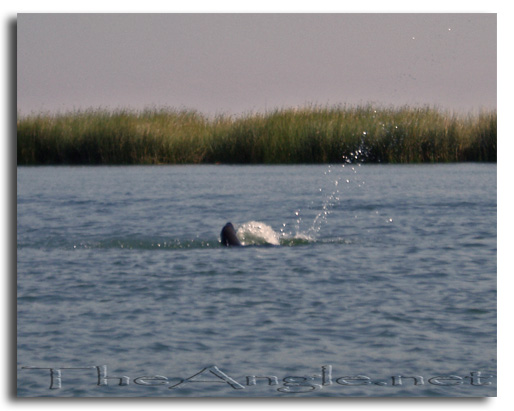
[{"x": 505, "y": 24}]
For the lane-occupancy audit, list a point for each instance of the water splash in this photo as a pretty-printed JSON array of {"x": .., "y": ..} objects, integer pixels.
[
  {"x": 339, "y": 178},
  {"x": 257, "y": 233}
]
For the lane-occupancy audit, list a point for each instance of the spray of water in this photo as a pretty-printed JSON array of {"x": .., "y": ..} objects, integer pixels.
[
  {"x": 338, "y": 179},
  {"x": 257, "y": 233}
]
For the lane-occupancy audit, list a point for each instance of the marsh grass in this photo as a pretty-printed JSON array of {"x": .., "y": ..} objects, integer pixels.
[{"x": 285, "y": 136}]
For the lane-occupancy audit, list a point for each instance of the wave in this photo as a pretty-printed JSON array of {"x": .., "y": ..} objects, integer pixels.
[{"x": 251, "y": 234}]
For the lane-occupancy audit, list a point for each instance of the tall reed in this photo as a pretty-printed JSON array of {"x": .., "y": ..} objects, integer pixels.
[{"x": 304, "y": 135}]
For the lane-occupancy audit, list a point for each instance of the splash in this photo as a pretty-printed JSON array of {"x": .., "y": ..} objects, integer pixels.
[
  {"x": 338, "y": 179},
  {"x": 257, "y": 233}
]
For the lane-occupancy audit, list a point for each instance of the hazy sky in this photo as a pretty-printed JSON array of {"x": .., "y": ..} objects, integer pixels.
[{"x": 234, "y": 63}]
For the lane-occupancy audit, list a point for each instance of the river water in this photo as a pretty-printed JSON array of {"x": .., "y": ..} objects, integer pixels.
[{"x": 362, "y": 280}]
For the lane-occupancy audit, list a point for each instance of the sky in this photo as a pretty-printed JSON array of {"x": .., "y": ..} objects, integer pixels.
[{"x": 242, "y": 63}]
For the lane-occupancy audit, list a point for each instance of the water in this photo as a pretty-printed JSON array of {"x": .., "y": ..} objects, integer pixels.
[{"x": 365, "y": 272}]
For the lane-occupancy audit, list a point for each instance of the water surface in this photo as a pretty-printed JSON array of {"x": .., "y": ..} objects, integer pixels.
[{"x": 365, "y": 272}]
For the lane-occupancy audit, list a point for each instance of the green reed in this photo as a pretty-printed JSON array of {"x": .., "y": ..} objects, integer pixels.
[{"x": 285, "y": 136}]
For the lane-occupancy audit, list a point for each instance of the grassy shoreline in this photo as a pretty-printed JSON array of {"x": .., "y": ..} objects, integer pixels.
[{"x": 286, "y": 136}]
